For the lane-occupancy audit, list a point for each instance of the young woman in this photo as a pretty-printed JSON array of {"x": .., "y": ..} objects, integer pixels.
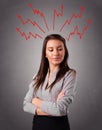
[{"x": 52, "y": 89}]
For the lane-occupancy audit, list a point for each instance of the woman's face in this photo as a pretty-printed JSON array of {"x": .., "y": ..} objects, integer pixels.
[{"x": 55, "y": 52}]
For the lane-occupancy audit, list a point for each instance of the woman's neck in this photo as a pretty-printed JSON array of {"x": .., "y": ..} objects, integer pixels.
[{"x": 53, "y": 69}]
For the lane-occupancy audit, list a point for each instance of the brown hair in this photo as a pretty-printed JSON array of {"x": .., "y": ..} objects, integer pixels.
[{"x": 44, "y": 65}]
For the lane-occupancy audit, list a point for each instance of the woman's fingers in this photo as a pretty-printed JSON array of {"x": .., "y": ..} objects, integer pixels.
[{"x": 60, "y": 95}]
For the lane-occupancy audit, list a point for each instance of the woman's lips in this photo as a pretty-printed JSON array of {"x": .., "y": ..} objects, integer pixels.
[{"x": 57, "y": 58}]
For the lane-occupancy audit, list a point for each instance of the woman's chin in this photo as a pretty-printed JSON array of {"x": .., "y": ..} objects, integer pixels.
[{"x": 56, "y": 63}]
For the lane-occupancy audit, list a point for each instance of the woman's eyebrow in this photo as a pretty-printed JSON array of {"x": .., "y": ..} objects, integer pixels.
[
  {"x": 49, "y": 47},
  {"x": 56, "y": 47},
  {"x": 59, "y": 46}
]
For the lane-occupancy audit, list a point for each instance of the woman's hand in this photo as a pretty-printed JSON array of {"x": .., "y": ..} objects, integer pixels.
[
  {"x": 37, "y": 102},
  {"x": 39, "y": 112},
  {"x": 60, "y": 95}
]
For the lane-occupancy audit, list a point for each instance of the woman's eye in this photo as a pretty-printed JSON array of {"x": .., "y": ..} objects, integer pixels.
[
  {"x": 50, "y": 50},
  {"x": 60, "y": 49}
]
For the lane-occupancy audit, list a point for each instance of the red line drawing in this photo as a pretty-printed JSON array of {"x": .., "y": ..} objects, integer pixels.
[
  {"x": 27, "y": 37},
  {"x": 57, "y": 14},
  {"x": 68, "y": 22},
  {"x": 38, "y": 12},
  {"x": 77, "y": 32},
  {"x": 34, "y": 23}
]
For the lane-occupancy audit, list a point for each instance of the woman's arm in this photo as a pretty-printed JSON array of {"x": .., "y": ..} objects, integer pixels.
[
  {"x": 63, "y": 101},
  {"x": 37, "y": 102},
  {"x": 27, "y": 103}
]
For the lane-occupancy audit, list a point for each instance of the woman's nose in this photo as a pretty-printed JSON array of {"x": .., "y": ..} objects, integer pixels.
[{"x": 56, "y": 52}]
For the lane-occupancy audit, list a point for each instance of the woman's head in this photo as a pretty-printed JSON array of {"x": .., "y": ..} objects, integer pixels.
[{"x": 54, "y": 52}]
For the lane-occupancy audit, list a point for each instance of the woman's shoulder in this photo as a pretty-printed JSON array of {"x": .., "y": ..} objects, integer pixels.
[
  {"x": 71, "y": 72},
  {"x": 32, "y": 81}
]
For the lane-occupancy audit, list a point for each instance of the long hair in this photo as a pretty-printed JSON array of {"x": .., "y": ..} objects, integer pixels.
[{"x": 44, "y": 65}]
